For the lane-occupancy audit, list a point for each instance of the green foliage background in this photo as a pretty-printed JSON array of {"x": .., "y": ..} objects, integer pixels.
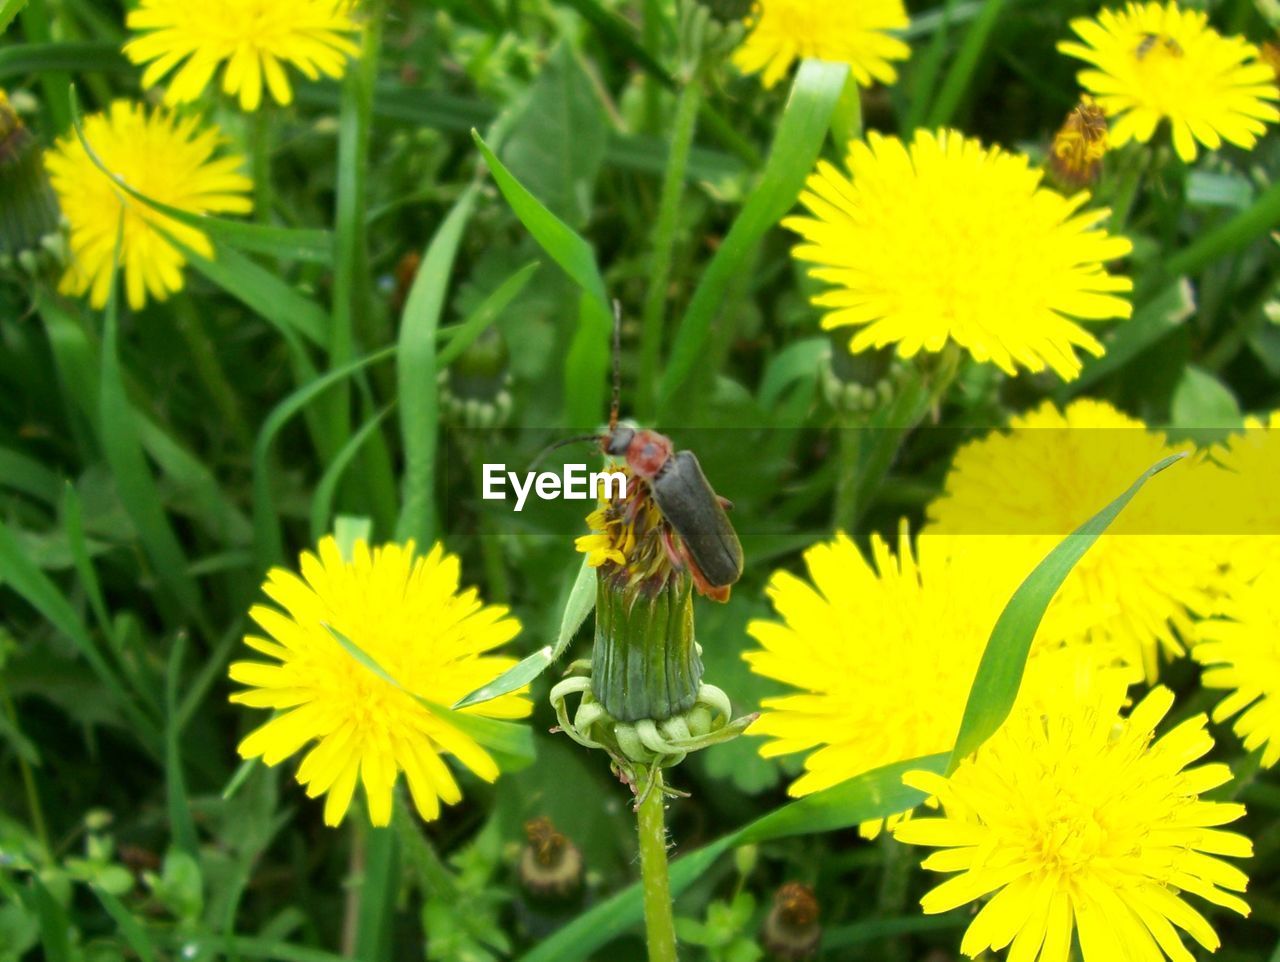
[{"x": 154, "y": 464}]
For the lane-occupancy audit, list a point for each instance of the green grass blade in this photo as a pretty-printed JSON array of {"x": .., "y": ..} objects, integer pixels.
[
  {"x": 587, "y": 362},
  {"x": 8, "y": 10},
  {"x": 181, "y": 825},
  {"x": 135, "y": 485},
  {"x": 268, "y": 538},
  {"x": 478, "y": 321},
  {"x": 958, "y": 78},
  {"x": 73, "y": 527},
  {"x": 582, "y": 598},
  {"x": 619, "y": 35},
  {"x": 38, "y": 58},
  {"x": 1262, "y": 217},
  {"x": 561, "y": 242},
  {"x": 416, "y": 373},
  {"x": 995, "y": 687},
  {"x": 801, "y": 132},
  {"x": 55, "y": 926},
  {"x": 322, "y": 499},
  {"x": 133, "y": 931},
  {"x": 27, "y": 475}
]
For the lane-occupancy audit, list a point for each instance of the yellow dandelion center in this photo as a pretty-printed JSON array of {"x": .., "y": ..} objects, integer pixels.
[
  {"x": 859, "y": 34},
  {"x": 946, "y": 240},
  {"x": 166, "y": 158},
  {"x": 1241, "y": 653},
  {"x": 407, "y": 614},
  {"x": 1077, "y": 819},
  {"x": 627, "y": 535},
  {"x": 1154, "y": 61},
  {"x": 253, "y": 38}
]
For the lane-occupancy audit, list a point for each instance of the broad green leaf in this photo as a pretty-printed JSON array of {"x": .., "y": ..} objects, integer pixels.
[
  {"x": 582, "y": 598},
  {"x": 1202, "y": 401},
  {"x": 555, "y": 144},
  {"x": 55, "y": 926},
  {"x": 800, "y": 135},
  {"x": 1256, "y": 221},
  {"x": 995, "y": 687},
  {"x": 795, "y": 362}
]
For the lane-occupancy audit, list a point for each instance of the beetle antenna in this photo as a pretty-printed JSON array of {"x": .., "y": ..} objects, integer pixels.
[
  {"x": 560, "y": 444},
  {"x": 617, "y": 366}
]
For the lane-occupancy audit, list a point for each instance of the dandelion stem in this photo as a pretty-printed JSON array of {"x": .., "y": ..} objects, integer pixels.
[
  {"x": 683, "y": 126},
  {"x": 659, "y": 924}
]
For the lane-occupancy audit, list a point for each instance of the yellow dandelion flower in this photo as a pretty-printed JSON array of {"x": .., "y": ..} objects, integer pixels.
[
  {"x": 896, "y": 637},
  {"x": 408, "y": 615},
  {"x": 859, "y": 34},
  {"x": 1244, "y": 493},
  {"x": 162, "y": 156},
  {"x": 946, "y": 240},
  {"x": 1080, "y": 820},
  {"x": 1241, "y": 653},
  {"x": 1026, "y": 489},
  {"x": 1156, "y": 61},
  {"x": 254, "y": 39}
]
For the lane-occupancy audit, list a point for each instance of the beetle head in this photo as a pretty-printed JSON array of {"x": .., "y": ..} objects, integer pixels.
[{"x": 617, "y": 441}]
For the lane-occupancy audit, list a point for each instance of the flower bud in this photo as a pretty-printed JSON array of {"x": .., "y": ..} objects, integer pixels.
[
  {"x": 791, "y": 931},
  {"x": 1075, "y": 157},
  {"x": 860, "y": 383},
  {"x": 550, "y": 864},
  {"x": 29, "y": 233},
  {"x": 475, "y": 390}
]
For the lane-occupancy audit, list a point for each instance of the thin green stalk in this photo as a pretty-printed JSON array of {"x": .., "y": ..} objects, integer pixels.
[
  {"x": 260, "y": 128},
  {"x": 659, "y": 923},
  {"x": 1248, "y": 225},
  {"x": 205, "y": 357},
  {"x": 28, "y": 779},
  {"x": 849, "y": 479},
  {"x": 958, "y": 78},
  {"x": 351, "y": 269},
  {"x": 664, "y": 231},
  {"x": 377, "y": 894}
]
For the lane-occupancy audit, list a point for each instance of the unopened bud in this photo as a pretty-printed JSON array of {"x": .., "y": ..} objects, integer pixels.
[
  {"x": 1075, "y": 157},
  {"x": 791, "y": 930},
  {"x": 550, "y": 864},
  {"x": 475, "y": 390},
  {"x": 29, "y": 234}
]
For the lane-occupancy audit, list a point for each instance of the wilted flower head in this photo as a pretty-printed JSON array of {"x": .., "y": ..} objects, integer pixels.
[
  {"x": 895, "y": 638},
  {"x": 1241, "y": 653},
  {"x": 1077, "y": 819},
  {"x": 945, "y": 240},
  {"x": 1026, "y": 489},
  {"x": 166, "y": 158},
  {"x": 1075, "y": 156},
  {"x": 406, "y": 613},
  {"x": 252, "y": 40},
  {"x": 860, "y": 34},
  {"x": 1155, "y": 61}
]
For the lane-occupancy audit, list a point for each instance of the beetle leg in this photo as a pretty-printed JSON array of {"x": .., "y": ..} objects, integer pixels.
[
  {"x": 724, "y": 502},
  {"x": 705, "y": 588},
  {"x": 677, "y": 557}
]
